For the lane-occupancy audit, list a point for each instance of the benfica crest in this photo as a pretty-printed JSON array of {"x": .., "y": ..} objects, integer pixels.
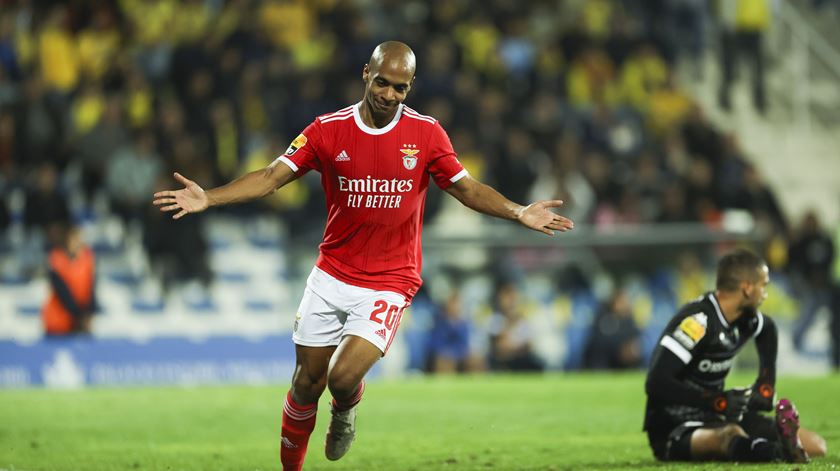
[{"x": 409, "y": 156}]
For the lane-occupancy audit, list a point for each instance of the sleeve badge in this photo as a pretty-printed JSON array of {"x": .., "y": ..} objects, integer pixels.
[
  {"x": 691, "y": 330},
  {"x": 299, "y": 142}
]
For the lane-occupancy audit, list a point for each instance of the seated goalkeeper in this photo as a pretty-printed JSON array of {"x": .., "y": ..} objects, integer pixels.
[{"x": 689, "y": 416}]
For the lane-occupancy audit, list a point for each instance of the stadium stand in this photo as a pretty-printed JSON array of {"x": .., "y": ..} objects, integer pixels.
[{"x": 594, "y": 102}]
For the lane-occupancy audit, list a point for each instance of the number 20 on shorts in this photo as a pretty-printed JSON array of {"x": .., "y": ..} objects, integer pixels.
[{"x": 380, "y": 307}]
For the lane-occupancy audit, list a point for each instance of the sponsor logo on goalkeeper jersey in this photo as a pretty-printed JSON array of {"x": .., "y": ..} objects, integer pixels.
[{"x": 709, "y": 366}]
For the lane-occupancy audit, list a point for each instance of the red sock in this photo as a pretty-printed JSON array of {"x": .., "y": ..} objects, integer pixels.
[
  {"x": 298, "y": 423},
  {"x": 350, "y": 403}
]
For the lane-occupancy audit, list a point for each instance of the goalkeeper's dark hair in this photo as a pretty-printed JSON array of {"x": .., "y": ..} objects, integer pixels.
[{"x": 736, "y": 267}]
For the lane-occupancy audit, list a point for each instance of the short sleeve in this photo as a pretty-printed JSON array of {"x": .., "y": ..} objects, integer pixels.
[
  {"x": 682, "y": 340},
  {"x": 302, "y": 155},
  {"x": 443, "y": 162}
]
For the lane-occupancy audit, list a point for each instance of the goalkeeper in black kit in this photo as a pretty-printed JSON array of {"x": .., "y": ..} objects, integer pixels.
[{"x": 689, "y": 416}]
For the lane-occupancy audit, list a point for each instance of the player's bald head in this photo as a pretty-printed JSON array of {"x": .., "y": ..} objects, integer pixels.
[{"x": 395, "y": 56}]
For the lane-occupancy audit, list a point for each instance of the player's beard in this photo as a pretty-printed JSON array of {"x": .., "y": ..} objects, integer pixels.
[{"x": 749, "y": 311}]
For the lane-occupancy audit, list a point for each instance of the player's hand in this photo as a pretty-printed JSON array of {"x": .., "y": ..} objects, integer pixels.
[
  {"x": 732, "y": 403},
  {"x": 538, "y": 217},
  {"x": 190, "y": 199},
  {"x": 763, "y": 397}
]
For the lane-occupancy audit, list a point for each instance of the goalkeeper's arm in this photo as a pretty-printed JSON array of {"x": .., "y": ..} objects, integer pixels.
[
  {"x": 767, "y": 345},
  {"x": 662, "y": 385}
]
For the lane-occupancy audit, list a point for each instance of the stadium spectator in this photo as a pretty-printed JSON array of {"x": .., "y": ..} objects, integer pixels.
[
  {"x": 689, "y": 416},
  {"x": 58, "y": 53},
  {"x": 613, "y": 342},
  {"x": 72, "y": 274},
  {"x": 178, "y": 253},
  {"x": 755, "y": 196},
  {"x": 9, "y": 62},
  {"x": 39, "y": 128},
  {"x": 369, "y": 263},
  {"x": 131, "y": 176},
  {"x": 98, "y": 45},
  {"x": 743, "y": 26},
  {"x": 449, "y": 339},
  {"x": 511, "y": 334},
  {"x": 810, "y": 261},
  {"x": 45, "y": 204},
  {"x": 689, "y": 24},
  {"x": 98, "y": 146}
]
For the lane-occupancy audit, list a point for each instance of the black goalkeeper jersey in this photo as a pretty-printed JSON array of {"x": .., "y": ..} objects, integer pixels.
[{"x": 693, "y": 358}]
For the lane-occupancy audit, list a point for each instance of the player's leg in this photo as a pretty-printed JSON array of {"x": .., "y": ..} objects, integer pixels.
[
  {"x": 372, "y": 321},
  {"x": 813, "y": 443},
  {"x": 796, "y": 444},
  {"x": 301, "y": 406},
  {"x": 790, "y": 434},
  {"x": 310, "y": 377},
  {"x": 731, "y": 442},
  {"x": 348, "y": 367},
  {"x": 352, "y": 360},
  {"x": 714, "y": 443},
  {"x": 317, "y": 332}
]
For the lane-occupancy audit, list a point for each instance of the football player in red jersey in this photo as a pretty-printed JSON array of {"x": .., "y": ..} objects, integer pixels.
[{"x": 376, "y": 159}]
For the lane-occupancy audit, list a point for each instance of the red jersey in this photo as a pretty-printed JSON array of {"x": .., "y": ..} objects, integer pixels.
[{"x": 375, "y": 182}]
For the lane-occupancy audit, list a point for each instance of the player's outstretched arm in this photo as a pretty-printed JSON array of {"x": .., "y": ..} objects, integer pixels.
[
  {"x": 193, "y": 199},
  {"x": 484, "y": 199}
]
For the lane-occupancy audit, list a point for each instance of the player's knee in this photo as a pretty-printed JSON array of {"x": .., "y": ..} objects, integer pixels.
[
  {"x": 342, "y": 383},
  {"x": 727, "y": 433},
  {"x": 308, "y": 389},
  {"x": 818, "y": 447},
  {"x": 821, "y": 449}
]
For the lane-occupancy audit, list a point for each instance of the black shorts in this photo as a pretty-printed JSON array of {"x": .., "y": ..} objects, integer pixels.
[{"x": 674, "y": 444}]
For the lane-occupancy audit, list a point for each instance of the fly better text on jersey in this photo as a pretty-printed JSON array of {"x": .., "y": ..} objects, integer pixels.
[{"x": 357, "y": 187}]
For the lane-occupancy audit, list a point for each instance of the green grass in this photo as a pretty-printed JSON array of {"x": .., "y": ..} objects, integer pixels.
[{"x": 553, "y": 422}]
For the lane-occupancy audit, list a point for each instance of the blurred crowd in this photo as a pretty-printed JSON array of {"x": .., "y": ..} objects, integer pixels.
[{"x": 100, "y": 101}]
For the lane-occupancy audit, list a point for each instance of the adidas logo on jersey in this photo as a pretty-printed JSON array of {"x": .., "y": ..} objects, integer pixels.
[
  {"x": 342, "y": 157},
  {"x": 381, "y": 333}
]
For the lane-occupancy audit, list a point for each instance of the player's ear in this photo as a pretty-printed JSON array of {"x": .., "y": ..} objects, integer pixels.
[
  {"x": 746, "y": 288},
  {"x": 365, "y": 72}
]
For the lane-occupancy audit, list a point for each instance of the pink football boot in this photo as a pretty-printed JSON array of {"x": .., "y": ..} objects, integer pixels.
[{"x": 787, "y": 425}]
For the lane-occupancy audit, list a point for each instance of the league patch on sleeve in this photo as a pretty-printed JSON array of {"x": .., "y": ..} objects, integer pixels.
[
  {"x": 299, "y": 142},
  {"x": 691, "y": 330}
]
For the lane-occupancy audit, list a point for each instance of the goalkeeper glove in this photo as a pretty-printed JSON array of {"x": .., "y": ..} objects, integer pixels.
[
  {"x": 732, "y": 403},
  {"x": 763, "y": 397}
]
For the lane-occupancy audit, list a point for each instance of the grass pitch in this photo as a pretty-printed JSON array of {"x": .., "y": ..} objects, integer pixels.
[{"x": 551, "y": 422}]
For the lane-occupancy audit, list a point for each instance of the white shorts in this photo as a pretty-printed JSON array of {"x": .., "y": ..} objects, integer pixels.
[{"x": 331, "y": 309}]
